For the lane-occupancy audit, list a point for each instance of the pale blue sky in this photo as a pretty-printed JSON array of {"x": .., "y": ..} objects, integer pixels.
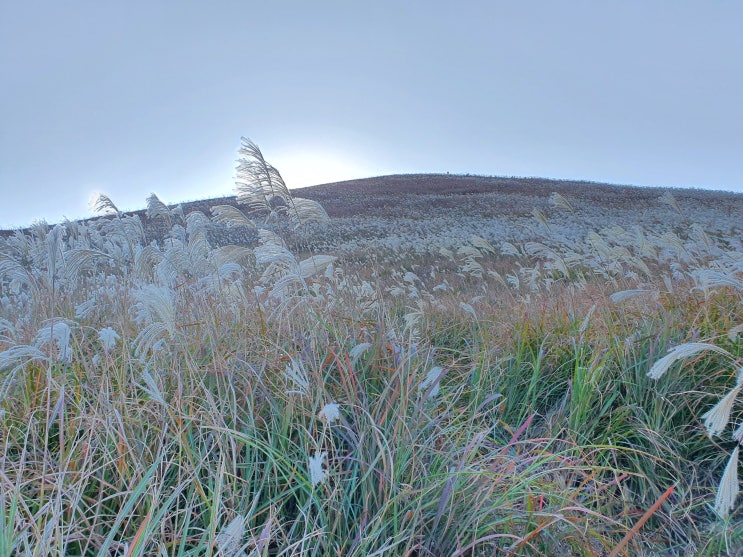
[{"x": 134, "y": 97}]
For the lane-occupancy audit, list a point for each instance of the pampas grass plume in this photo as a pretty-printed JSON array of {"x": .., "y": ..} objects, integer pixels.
[
  {"x": 229, "y": 540},
  {"x": 330, "y": 413},
  {"x": 728, "y": 489},
  {"x": 680, "y": 352},
  {"x": 318, "y": 474},
  {"x": 718, "y": 417}
]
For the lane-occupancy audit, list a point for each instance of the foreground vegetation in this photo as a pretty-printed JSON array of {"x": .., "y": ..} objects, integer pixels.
[{"x": 194, "y": 397}]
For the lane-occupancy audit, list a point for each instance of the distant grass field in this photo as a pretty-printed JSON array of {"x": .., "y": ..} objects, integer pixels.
[{"x": 412, "y": 365}]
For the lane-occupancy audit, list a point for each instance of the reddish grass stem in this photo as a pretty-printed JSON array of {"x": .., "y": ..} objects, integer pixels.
[{"x": 636, "y": 528}]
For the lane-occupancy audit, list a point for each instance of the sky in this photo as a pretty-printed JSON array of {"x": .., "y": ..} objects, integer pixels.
[{"x": 130, "y": 98}]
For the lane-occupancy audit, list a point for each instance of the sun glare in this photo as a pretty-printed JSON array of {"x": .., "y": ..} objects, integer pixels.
[{"x": 309, "y": 168}]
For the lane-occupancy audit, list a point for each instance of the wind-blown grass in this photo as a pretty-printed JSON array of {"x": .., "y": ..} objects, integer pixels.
[{"x": 186, "y": 398}]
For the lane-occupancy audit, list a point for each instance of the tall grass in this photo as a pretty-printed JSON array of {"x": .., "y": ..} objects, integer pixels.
[{"x": 181, "y": 398}]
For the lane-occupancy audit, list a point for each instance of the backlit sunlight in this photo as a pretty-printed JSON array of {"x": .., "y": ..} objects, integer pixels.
[{"x": 303, "y": 168}]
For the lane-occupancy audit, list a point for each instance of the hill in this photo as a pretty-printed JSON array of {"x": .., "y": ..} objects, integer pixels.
[
  {"x": 448, "y": 365},
  {"x": 382, "y": 194},
  {"x": 419, "y": 214}
]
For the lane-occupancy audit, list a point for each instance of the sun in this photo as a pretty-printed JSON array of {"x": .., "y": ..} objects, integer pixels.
[{"x": 308, "y": 167}]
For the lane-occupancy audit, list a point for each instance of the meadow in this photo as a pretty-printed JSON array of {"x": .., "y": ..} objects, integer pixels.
[{"x": 416, "y": 366}]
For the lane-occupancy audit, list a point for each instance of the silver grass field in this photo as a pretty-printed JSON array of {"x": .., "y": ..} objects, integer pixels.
[{"x": 530, "y": 376}]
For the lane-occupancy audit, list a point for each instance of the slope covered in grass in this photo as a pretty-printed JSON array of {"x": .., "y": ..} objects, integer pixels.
[{"x": 447, "y": 367}]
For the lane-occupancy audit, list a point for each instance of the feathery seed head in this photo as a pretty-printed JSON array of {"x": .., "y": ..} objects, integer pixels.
[
  {"x": 155, "y": 303},
  {"x": 297, "y": 375},
  {"x": 357, "y": 351},
  {"x": 156, "y": 208},
  {"x": 314, "y": 264},
  {"x": 729, "y": 486},
  {"x": 318, "y": 474},
  {"x": 432, "y": 379},
  {"x": 680, "y": 352},
  {"x": 734, "y": 332},
  {"x": 108, "y": 338},
  {"x": 305, "y": 211},
  {"x": 102, "y": 204},
  {"x": 558, "y": 201},
  {"x": 229, "y": 539},
  {"x": 151, "y": 387},
  {"x": 20, "y": 355},
  {"x": 59, "y": 333},
  {"x": 330, "y": 413},
  {"x": 626, "y": 295},
  {"x": 717, "y": 418},
  {"x": 668, "y": 199},
  {"x": 738, "y": 433}
]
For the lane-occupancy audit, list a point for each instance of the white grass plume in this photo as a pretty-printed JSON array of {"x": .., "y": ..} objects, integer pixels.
[
  {"x": 7, "y": 331},
  {"x": 469, "y": 309},
  {"x": 472, "y": 267},
  {"x": 149, "y": 338},
  {"x": 330, "y": 413},
  {"x": 718, "y": 417},
  {"x": 295, "y": 374},
  {"x": 679, "y": 353},
  {"x": 734, "y": 332},
  {"x": 468, "y": 251},
  {"x": 626, "y": 295},
  {"x": 729, "y": 486},
  {"x": 155, "y": 303},
  {"x": 318, "y": 474},
  {"x": 230, "y": 216},
  {"x": 431, "y": 381},
  {"x": 507, "y": 248},
  {"x": 272, "y": 253},
  {"x": 199, "y": 248},
  {"x": 55, "y": 250},
  {"x": 84, "y": 309},
  {"x": 258, "y": 184},
  {"x": 78, "y": 260},
  {"x": 558, "y": 201},
  {"x": 108, "y": 338},
  {"x": 482, "y": 244},
  {"x": 19, "y": 355},
  {"x": 156, "y": 208},
  {"x": 229, "y": 540},
  {"x": 287, "y": 285},
  {"x": 14, "y": 271},
  {"x": 102, "y": 204},
  {"x": 145, "y": 262},
  {"x": 539, "y": 217},
  {"x": 14, "y": 359},
  {"x": 270, "y": 237},
  {"x": 668, "y": 199},
  {"x": 587, "y": 320},
  {"x": 315, "y": 264},
  {"x": 357, "y": 351},
  {"x": 707, "y": 279},
  {"x": 738, "y": 433},
  {"x": 305, "y": 211},
  {"x": 57, "y": 332},
  {"x": 151, "y": 387}
]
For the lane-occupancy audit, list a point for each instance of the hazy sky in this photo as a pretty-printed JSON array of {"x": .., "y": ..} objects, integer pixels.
[{"x": 128, "y": 98}]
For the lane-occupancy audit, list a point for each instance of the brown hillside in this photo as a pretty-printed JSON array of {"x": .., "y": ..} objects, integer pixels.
[{"x": 395, "y": 195}]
